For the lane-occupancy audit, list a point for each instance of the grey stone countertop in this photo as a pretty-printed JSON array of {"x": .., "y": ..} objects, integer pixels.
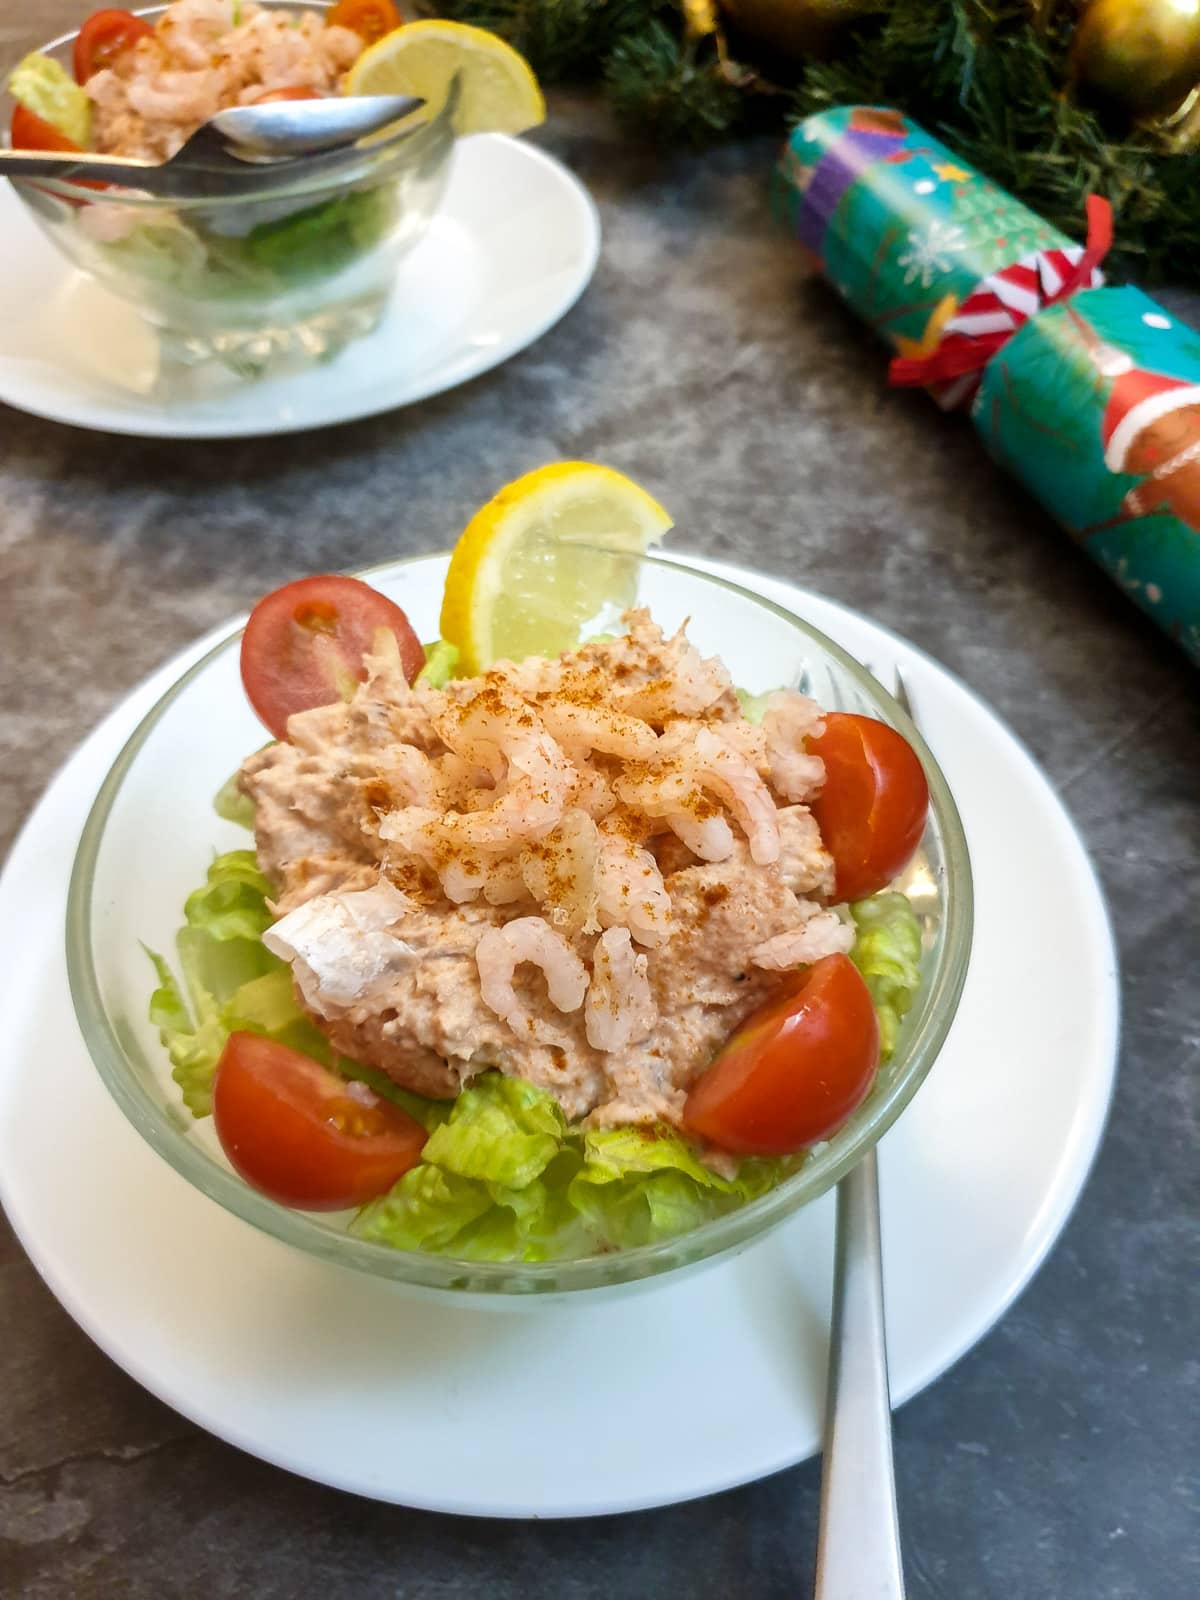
[{"x": 1054, "y": 1461}]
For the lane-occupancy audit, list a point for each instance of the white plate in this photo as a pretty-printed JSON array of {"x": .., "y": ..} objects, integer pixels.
[
  {"x": 654, "y": 1397},
  {"x": 511, "y": 249}
]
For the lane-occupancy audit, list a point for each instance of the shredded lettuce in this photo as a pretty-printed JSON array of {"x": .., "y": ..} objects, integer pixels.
[
  {"x": 322, "y": 239},
  {"x": 522, "y": 1185},
  {"x": 887, "y": 952},
  {"x": 46, "y": 88},
  {"x": 232, "y": 805},
  {"x": 503, "y": 1176},
  {"x": 424, "y": 1211},
  {"x": 505, "y": 1132},
  {"x": 754, "y": 706},
  {"x": 230, "y": 977},
  {"x": 441, "y": 663}
]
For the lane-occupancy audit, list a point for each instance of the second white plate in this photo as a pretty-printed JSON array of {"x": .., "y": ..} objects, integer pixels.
[
  {"x": 512, "y": 248},
  {"x": 676, "y": 1391}
]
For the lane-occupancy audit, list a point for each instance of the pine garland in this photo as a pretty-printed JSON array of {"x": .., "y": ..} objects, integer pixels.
[
  {"x": 992, "y": 82},
  {"x": 989, "y": 77}
]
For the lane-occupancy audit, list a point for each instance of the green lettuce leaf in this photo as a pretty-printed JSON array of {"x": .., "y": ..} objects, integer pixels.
[
  {"x": 232, "y": 805},
  {"x": 47, "y": 89},
  {"x": 441, "y": 663},
  {"x": 501, "y": 1131},
  {"x": 426, "y": 1210},
  {"x": 754, "y": 706},
  {"x": 515, "y": 1183},
  {"x": 193, "y": 1046},
  {"x": 503, "y": 1176},
  {"x": 887, "y": 952},
  {"x": 232, "y": 904},
  {"x": 322, "y": 239},
  {"x": 640, "y": 1185},
  {"x": 232, "y": 981}
]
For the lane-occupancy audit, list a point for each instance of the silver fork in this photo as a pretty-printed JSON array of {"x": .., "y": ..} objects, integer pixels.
[{"x": 858, "y": 1545}]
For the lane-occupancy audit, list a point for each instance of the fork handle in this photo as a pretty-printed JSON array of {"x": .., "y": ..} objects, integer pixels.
[{"x": 858, "y": 1549}]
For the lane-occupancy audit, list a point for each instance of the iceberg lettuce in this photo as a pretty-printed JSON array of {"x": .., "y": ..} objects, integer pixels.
[
  {"x": 503, "y": 1176},
  {"x": 887, "y": 951}
]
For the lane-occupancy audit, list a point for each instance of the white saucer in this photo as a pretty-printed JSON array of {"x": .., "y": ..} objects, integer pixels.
[
  {"x": 512, "y": 248},
  {"x": 676, "y": 1391}
]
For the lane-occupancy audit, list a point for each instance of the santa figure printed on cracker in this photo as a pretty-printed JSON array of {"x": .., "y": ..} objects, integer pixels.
[{"x": 1151, "y": 430}]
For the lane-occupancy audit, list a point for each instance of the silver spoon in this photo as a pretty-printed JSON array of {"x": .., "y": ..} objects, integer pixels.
[
  {"x": 242, "y": 150},
  {"x": 858, "y": 1544}
]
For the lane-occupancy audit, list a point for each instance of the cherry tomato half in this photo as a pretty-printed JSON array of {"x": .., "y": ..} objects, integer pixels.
[
  {"x": 105, "y": 36},
  {"x": 795, "y": 1070},
  {"x": 304, "y": 645},
  {"x": 294, "y": 1130},
  {"x": 269, "y": 97},
  {"x": 370, "y": 19},
  {"x": 31, "y": 132},
  {"x": 871, "y": 809}
]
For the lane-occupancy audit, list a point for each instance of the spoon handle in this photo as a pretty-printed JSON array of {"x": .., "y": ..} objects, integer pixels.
[
  {"x": 73, "y": 168},
  {"x": 858, "y": 1550}
]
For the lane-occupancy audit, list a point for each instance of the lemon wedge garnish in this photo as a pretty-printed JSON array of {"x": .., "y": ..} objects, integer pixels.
[
  {"x": 498, "y": 92},
  {"x": 552, "y": 556}
]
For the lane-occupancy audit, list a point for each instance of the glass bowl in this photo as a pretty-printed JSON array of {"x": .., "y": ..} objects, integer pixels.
[
  {"x": 152, "y": 832},
  {"x": 258, "y": 283}
]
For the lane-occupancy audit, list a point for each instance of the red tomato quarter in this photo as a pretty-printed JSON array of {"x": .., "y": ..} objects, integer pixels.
[
  {"x": 370, "y": 19},
  {"x": 871, "y": 810},
  {"x": 294, "y": 1130},
  {"x": 31, "y": 132},
  {"x": 304, "y": 645},
  {"x": 105, "y": 36},
  {"x": 795, "y": 1070}
]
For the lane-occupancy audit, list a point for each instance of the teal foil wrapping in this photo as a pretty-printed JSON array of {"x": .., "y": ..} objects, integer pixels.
[
  {"x": 1092, "y": 402},
  {"x": 1094, "y": 405},
  {"x": 902, "y": 228}
]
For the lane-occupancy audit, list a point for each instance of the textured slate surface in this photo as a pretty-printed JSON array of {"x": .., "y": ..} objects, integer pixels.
[{"x": 1053, "y": 1461}]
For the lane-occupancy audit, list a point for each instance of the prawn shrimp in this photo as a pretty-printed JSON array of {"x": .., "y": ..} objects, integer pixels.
[
  {"x": 620, "y": 1009},
  {"x": 689, "y": 686},
  {"x": 588, "y": 728},
  {"x": 501, "y": 734},
  {"x": 592, "y": 793},
  {"x": 560, "y": 872},
  {"x": 748, "y": 741},
  {"x": 176, "y": 97},
  {"x": 630, "y": 891},
  {"x": 733, "y": 780},
  {"x": 411, "y": 774},
  {"x": 823, "y": 934},
  {"x": 791, "y": 718},
  {"x": 532, "y": 940},
  {"x": 668, "y": 792}
]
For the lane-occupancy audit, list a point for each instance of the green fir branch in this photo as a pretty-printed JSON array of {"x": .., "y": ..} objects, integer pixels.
[
  {"x": 674, "y": 86},
  {"x": 561, "y": 39},
  {"x": 994, "y": 85},
  {"x": 989, "y": 77}
]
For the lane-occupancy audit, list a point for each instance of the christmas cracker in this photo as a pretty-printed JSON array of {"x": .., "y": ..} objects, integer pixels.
[{"x": 1089, "y": 395}]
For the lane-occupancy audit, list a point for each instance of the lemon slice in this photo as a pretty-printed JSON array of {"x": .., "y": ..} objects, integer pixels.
[
  {"x": 551, "y": 558},
  {"x": 498, "y": 92}
]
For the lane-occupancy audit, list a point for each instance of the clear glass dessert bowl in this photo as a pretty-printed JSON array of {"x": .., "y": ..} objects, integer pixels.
[
  {"x": 152, "y": 832},
  {"x": 262, "y": 282}
]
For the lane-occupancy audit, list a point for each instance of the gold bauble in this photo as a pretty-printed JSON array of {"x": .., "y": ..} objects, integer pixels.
[
  {"x": 1142, "y": 55},
  {"x": 785, "y": 32}
]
